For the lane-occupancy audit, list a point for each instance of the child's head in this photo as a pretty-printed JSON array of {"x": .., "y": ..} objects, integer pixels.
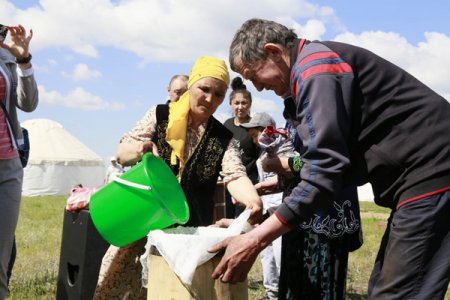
[{"x": 256, "y": 125}]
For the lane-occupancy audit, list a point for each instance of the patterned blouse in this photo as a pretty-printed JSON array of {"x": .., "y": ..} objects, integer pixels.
[{"x": 144, "y": 129}]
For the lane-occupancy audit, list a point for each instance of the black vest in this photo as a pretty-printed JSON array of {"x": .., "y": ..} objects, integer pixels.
[{"x": 199, "y": 177}]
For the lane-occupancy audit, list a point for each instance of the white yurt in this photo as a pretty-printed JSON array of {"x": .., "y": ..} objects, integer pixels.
[{"x": 58, "y": 161}]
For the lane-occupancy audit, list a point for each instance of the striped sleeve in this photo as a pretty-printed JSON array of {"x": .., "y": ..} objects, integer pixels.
[
  {"x": 321, "y": 84},
  {"x": 323, "y": 62}
]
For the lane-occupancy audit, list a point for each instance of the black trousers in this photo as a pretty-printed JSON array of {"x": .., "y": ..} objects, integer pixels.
[{"x": 414, "y": 257}]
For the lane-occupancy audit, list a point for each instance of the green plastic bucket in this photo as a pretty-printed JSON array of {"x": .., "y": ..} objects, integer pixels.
[{"x": 146, "y": 197}]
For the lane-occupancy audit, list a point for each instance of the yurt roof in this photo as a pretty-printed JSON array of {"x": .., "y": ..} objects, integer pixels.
[{"x": 50, "y": 143}]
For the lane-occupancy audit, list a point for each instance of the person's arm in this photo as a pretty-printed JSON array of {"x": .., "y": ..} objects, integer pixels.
[
  {"x": 242, "y": 250},
  {"x": 136, "y": 142},
  {"x": 276, "y": 164},
  {"x": 237, "y": 182},
  {"x": 27, "y": 91},
  {"x": 325, "y": 118},
  {"x": 244, "y": 192}
]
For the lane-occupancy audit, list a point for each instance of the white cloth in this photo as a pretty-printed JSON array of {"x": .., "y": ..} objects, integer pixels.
[{"x": 195, "y": 241}]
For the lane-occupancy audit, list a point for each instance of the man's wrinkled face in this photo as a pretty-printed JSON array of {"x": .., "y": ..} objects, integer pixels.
[{"x": 265, "y": 74}]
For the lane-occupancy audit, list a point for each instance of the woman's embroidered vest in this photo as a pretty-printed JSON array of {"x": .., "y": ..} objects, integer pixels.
[{"x": 199, "y": 177}]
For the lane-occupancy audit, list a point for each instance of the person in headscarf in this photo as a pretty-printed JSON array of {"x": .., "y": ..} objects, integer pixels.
[{"x": 198, "y": 148}]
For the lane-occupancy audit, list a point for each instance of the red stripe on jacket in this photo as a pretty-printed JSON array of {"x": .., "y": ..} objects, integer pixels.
[
  {"x": 318, "y": 55},
  {"x": 326, "y": 68},
  {"x": 422, "y": 196}
]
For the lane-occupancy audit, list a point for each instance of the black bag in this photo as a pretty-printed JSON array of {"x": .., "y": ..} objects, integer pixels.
[{"x": 24, "y": 149}]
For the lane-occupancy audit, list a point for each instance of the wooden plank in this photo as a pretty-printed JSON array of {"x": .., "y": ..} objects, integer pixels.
[{"x": 163, "y": 284}]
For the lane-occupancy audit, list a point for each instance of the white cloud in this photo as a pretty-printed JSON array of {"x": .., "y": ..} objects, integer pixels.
[
  {"x": 83, "y": 72},
  {"x": 77, "y": 98},
  {"x": 147, "y": 27},
  {"x": 80, "y": 98},
  {"x": 272, "y": 107},
  {"x": 266, "y": 105},
  {"x": 312, "y": 30},
  {"x": 426, "y": 61},
  {"x": 86, "y": 50},
  {"x": 50, "y": 97}
]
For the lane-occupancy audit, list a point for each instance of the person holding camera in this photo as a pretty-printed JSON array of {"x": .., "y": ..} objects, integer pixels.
[{"x": 18, "y": 88}]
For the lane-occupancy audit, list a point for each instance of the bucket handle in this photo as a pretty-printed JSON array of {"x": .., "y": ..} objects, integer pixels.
[
  {"x": 147, "y": 188},
  {"x": 132, "y": 184}
]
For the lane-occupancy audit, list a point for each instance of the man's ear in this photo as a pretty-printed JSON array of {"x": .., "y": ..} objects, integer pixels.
[{"x": 274, "y": 50}]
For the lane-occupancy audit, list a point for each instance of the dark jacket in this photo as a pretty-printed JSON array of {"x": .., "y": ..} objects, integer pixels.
[{"x": 363, "y": 119}]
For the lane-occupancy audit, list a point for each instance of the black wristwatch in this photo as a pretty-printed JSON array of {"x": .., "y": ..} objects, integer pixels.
[{"x": 24, "y": 60}]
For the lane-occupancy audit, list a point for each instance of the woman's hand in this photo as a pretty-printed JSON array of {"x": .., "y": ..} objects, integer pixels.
[
  {"x": 20, "y": 42},
  {"x": 243, "y": 191},
  {"x": 145, "y": 147},
  {"x": 256, "y": 216},
  {"x": 222, "y": 223},
  {"x": 130, "y": 153}
]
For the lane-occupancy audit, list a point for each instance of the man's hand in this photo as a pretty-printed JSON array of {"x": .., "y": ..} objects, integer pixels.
[{"x": 241, "y": 252}]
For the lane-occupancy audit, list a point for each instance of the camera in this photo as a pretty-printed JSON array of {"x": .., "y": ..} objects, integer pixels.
[{"x": 3, "y": 32}]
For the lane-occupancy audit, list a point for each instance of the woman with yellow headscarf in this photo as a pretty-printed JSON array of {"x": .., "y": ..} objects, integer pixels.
[{"x": 198, "y": 148}]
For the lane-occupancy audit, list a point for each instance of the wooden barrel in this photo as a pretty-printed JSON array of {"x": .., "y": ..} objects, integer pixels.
[{"x": 163, "y": 283}]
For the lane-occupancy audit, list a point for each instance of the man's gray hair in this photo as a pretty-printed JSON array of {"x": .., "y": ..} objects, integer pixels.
[
  {"x": 248, "y": 42},
  {"x": 174, "y": 77}
]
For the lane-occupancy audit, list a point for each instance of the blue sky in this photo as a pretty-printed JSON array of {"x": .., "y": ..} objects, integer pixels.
[{"x": 101, "y": 64}]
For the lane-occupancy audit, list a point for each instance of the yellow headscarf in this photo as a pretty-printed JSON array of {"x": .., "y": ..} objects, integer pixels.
[{"x": 205, "y": 66}]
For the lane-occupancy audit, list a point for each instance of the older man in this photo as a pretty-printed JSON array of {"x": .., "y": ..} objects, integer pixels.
[
  {"x": 177, "y": 87},
  {"x": 362, "y": 119}
]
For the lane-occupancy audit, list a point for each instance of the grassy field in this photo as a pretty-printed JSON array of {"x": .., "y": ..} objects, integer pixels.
[{"x": 39, "y": 238}]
